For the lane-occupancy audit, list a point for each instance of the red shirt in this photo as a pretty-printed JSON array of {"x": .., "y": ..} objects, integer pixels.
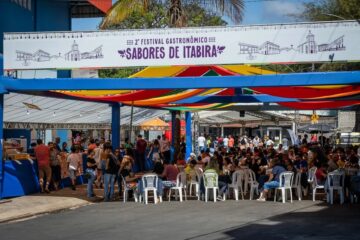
[
  {"x": 42, "y": 154},
  {"x": 141, "y": 146},
  {"x": 170, "y": 172}
]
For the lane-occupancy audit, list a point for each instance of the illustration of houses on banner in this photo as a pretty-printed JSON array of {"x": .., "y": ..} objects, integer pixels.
[
  {"x": 308, "y": 47},
  {"x": 76, "y": 55},
  {"x": 38, "y": 56}
]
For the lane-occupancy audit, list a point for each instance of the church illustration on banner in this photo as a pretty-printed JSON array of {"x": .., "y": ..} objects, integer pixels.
[
  {"x": 308, "y": 47},
  {"x": 73, "y": 55}
]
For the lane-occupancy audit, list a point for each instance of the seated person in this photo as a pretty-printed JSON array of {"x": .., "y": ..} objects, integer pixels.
[
  {"x": 181, "y": 159},
  {"x": 273, "y": 181},
  {"x": 170, "y": 173},
  {"x": 192, "y": 157},
  {"x": 126, "y": 173},
  {"x": 213, "y": 167},
  {"x": 190, "y": 168},
  {"x": 321, "y": 174}
]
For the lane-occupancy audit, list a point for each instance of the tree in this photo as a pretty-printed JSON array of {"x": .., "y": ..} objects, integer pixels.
[
  {"x": 176, "y": 13},
  {"x": 326, "y": 10}
]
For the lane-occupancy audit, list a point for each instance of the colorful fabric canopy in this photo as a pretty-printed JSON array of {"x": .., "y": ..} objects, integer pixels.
[{"x": 314, "y": 97}]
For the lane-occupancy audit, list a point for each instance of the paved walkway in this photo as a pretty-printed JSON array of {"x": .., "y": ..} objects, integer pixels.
[{"x": 28, "y": 206}]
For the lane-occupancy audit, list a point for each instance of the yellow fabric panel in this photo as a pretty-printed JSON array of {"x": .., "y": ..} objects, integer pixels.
[
  {"x": 211, "y": 91},
  {"x": 328, "y": 86},
  {"x": 159, "y": 71},
  {"x": 345, "y": 94},
  {"x": 95, "y": 93},
  {"x": 246, "y": 70}
]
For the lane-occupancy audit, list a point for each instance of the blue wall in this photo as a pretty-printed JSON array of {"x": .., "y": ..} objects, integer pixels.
[{"x": 45, "y": 15}]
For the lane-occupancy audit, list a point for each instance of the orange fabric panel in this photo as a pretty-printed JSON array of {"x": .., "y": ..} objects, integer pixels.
[{"x": 102, "y": 5}]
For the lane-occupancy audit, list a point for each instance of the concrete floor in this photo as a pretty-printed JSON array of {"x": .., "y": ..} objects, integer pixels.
[{"x": 194, "y": 220}]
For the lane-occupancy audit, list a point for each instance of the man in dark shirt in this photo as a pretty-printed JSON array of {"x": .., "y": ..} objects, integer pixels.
[
  {"x": 140, "y": 153},
  {"x": 112, "y": 167}
]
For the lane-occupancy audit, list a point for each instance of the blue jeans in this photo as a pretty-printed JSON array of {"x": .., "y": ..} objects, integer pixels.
[
  {"x": 271, "y": 185},
  {"x": 91, "y": 179},
  {"x": 109, "y": 180}
]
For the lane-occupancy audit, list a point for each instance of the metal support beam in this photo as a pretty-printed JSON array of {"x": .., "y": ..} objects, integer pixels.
[
  {"x": 115, "y": 125},
  {"x": 173, "y": 123},
  {"x": 273, "y": 80},
  {"x": 1, "y": 144},
  {"x": 188, "y": 134},
  {"x": 234, "y": 99}
]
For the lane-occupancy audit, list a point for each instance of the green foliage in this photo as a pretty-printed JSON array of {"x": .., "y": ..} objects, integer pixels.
[{"x": 326, "y": 10}]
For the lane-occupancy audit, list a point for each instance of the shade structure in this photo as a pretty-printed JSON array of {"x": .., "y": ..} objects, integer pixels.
[
  {"x": 155, "y": 124},
  {"x": 312, "y": 98},
  {"x": 316, "y": 128}
]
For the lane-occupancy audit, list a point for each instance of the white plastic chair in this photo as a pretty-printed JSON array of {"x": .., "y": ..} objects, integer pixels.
[
  {"x": 316, "y": 186},
  {"x": 254, "y": 185},
  {"x": 126, "y": 190},
  {"x": 236, "y": 184},
  {"x": 311, "y": 175},
  {"x": 211, "y": 182},
  {"x": 297, "y": 185},
  {"x": 285, "y": 183},
  {"x": 180, "y": 186},
  {"x": 150, "y": 183},
  {"x": 195, "y": 182},
  {"x": 335, "y": 181}
]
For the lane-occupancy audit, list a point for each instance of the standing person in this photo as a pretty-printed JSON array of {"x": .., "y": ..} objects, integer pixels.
[
  {"x": 226, "y": 142},
  {"x": 97, "y": 156},
  {"x": 73, "y": 165},
  {"x": 140, "y": 153},
  {"x": 91, "y": 172},
  {"x": 112, "y": 168},
  {"x": 31, "y": 151},
  {"x": 92, "y": 144},
  {"x": 64, "y": 147},
  {"x": 42, "y": 154},
  {"x": 57, "y": 146},
  {"x": 155, "y": 151},
  {"x": 201, "y": 142},
  {"x": 55, "y": 165},
  {"x": 128, "y": 143},
  {"x": 256, "y": 141},
  {"x": 165, "y": 148},
  {"x": 231, "y": 142}
]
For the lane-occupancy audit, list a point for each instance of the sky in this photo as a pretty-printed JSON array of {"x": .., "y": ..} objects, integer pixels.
[{"x": 256, "y": 12}]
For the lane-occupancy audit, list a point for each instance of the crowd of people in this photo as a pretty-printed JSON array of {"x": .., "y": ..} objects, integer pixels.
[{"x": 223, "y": 155}]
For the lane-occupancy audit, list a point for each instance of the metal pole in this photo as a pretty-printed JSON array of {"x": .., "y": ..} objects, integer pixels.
[
  {"x": 188, "y": 134},
  {"x": 1, "y": 144},
  {"x": 131, "y": 121},
  {"x": 115, "y": 125}
]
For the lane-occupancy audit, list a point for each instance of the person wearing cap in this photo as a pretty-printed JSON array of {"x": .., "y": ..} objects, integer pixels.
[{"x": 191, "y": 157}]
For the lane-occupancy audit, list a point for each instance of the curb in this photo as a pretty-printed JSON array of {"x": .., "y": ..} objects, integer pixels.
[{"x": 24, "y": 216}]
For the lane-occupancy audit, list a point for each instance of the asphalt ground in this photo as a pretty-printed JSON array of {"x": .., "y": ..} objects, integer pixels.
[{"x": 193, "y": 220}]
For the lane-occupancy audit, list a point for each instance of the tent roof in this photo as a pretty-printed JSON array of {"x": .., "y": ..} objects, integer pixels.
[
  {"x": 68, "y": 111},
  {"x": 154, "y": 124}
]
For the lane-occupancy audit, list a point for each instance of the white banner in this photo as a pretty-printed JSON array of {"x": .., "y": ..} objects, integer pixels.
[{"x": 260, "y": 44}]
